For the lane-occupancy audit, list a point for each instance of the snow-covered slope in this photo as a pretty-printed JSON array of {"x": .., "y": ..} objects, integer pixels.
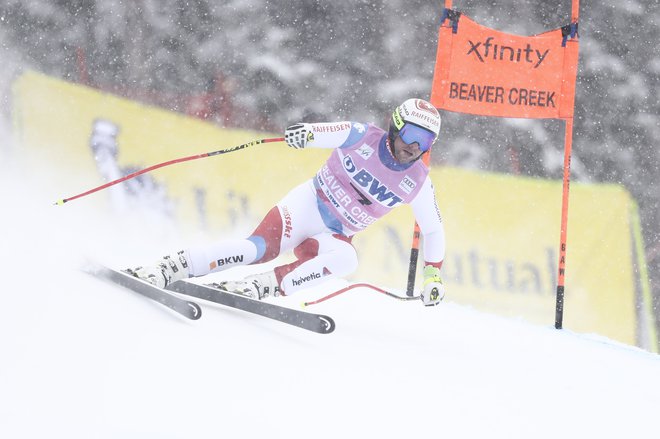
[{"x": 85, "y": 359}]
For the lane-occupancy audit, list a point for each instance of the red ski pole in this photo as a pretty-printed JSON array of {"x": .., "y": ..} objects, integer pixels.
[
  {"x": 171, "y": 162},
  {"x": 350, "y": 287}
]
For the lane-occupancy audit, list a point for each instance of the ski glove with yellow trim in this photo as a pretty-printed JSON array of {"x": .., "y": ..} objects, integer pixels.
[{"x": 434, "y": 290}]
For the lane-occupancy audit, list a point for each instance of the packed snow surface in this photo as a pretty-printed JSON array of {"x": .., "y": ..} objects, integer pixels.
[{"x": 82, "y": 358}]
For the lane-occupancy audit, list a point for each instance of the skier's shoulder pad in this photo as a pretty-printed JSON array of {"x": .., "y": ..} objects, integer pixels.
[{"x": 359, "y": 132}]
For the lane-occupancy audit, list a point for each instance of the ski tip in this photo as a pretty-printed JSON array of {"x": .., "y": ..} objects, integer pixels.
[
  {"x": 328, "y": 324},
  {"x": 196, "y": 313},
  {"x": 59, "y": 202}
]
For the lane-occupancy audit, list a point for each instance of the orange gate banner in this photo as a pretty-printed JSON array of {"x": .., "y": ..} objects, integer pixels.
[{"x": 482, "y": 71}]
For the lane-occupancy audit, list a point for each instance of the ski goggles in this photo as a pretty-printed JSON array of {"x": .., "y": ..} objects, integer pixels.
[{"x": 410, "y": 133}]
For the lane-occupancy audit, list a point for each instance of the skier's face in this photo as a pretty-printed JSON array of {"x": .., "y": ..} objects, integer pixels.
[{"x": 404, "y": 152}]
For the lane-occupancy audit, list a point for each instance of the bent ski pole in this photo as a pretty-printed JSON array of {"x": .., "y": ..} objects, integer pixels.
[
  {"x": 171, "y": 162},
  {"x": 350, "y": 287}
]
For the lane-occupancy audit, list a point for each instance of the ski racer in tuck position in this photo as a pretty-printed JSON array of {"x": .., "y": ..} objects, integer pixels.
[{"x": 369, "y": 172}]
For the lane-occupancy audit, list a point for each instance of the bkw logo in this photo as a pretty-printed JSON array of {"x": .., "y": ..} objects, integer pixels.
[{"x": 230, "y": 260}]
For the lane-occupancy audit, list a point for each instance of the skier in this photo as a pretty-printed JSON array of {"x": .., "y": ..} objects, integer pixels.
[{"x": 368, "y": 173}]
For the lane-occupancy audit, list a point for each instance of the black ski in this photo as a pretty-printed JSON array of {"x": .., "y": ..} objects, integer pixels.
[
  {"x": 312, "y": 322},
  {"x": 184, "y": 307}
]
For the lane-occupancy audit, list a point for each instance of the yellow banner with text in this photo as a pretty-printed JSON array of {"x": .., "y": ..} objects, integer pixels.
[{"x": 502, "y": 231}]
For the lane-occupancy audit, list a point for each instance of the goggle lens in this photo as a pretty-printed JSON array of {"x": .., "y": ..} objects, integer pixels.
[{"x": 413, "y": 133}]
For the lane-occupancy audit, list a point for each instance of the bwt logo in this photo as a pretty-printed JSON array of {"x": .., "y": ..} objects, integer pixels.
[
  {"x": 375, "y": 188},
  {"x": 485, "y": 49}
]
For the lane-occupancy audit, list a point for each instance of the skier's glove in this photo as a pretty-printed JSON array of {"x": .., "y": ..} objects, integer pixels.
[
  {"x": 298, "y": 135},
  {"x": 433, "y": 291}
]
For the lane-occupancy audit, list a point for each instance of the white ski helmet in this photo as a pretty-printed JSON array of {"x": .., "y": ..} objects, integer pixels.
[{"x": 417, "y": 113}]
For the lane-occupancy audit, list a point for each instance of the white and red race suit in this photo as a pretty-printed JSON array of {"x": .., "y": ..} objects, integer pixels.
[{"x": 360, "y": 182}]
